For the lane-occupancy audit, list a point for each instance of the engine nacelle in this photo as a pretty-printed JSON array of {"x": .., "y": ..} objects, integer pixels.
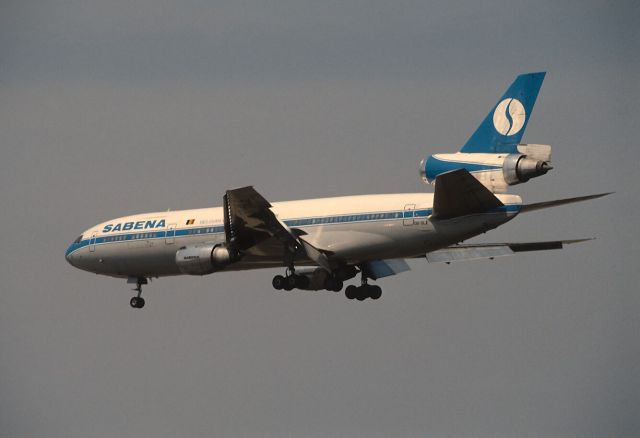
[
  {"x": 495, "y": 171},
  {"x": 204, "y": 259},
  {"x": 520, "y": 168}
]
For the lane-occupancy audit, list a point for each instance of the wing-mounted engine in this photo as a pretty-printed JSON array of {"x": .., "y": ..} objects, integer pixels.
[
  {"x": 496, "y": 171},
  {"x": 205, "y": 258}
]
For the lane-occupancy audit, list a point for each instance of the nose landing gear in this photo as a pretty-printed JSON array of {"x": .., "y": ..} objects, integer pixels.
[{"x": 137, "y": 302}]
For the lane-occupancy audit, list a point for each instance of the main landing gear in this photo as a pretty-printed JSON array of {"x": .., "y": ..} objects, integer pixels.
[
  {"x": 294, "y": 281},
  {"x": 332, "y": 283},
  {"x": 364, "y": 291},
  {"x": 137, "y": 302},
  {"x": 290, "y": 282}
]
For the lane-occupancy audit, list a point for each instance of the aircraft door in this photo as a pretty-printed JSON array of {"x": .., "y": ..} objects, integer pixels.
[
  {"x": 170, "y": 237},
  {"x": 92, "y": 242},
  {"x": 409, "y": 214}
]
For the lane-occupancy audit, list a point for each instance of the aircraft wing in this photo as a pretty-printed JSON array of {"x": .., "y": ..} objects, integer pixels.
[
  {"x": 540, "y": 205},
  {"x": 249, "y": 221},
  {"x": 464, "y": 252},
  {"x": 458, "y": 193}
]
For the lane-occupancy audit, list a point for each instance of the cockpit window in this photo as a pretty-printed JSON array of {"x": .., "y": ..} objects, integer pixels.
[{"x": 78, "y": 239}]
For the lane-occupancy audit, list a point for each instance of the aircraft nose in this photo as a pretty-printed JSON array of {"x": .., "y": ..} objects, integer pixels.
[
  {"x": 69, "y": 256},
  {"x": 70, "y": 253}
]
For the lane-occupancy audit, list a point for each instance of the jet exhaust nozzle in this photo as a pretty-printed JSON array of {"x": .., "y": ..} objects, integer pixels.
[{"x": 518, "y": 169}]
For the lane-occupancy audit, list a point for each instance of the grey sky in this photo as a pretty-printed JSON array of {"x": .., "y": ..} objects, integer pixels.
[{"x": 111, "y": 108}]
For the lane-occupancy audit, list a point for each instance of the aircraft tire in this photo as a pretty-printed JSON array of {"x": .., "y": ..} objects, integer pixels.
[
  {"x": 289, "y": 283},
  {"x": 137, "y": 302},
  {"x": 375, "y": 292},
  {"x": 350, "y": 292},
  {"x": 302, "y": 282},
  {"x": 278, "y": 282}
]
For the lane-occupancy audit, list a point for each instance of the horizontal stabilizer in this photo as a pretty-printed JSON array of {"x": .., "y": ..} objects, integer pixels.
[
  {"x": 385, "y": 268},
  {"x": 465, "y": 252},
  {"x": 458, "y": 193},
  {"x": 548, "y": 204}
]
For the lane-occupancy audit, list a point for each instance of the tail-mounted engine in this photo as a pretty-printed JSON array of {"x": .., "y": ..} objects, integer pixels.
[
  {"x": 495, "y": 171},
  {"x": 204, "y": 259}
]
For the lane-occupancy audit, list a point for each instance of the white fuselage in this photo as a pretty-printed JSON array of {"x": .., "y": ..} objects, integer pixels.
[{"x": 354, "y": 228}]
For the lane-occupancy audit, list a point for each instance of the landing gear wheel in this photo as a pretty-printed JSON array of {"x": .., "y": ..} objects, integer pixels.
[
  {"x": 375, "y": 292},
  {"x": 363, "y": 293},
  {"x": 137, "y": 302},
  {"x": 351, "y": 292},
  {"x": 333, "y": 284},
  {"x": 289, "y": 283},
  {"x": 302, "y": 282},
  {"x": 278, "y": 282}
]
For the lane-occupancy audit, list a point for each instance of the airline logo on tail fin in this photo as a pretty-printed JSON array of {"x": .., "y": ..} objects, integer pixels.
[
  {"x": 509, "y": 117},
  {"x": 503, "y": 128}
]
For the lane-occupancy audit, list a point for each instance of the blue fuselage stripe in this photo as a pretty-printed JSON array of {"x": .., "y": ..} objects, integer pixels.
[
  {"x": 304, "y": 222},
  {"x": 435, "y": 166}
]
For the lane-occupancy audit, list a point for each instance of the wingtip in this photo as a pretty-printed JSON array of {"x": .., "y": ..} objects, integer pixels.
[
  {"x": 600, "y": 195},
  {"x": 569, "y": 242}
]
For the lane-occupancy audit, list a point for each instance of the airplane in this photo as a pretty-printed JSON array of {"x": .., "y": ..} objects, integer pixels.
[{"x": 322, "y": 243}]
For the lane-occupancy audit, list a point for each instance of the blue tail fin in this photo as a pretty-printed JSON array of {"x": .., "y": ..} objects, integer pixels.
[{"x": 502, "y": 129}]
